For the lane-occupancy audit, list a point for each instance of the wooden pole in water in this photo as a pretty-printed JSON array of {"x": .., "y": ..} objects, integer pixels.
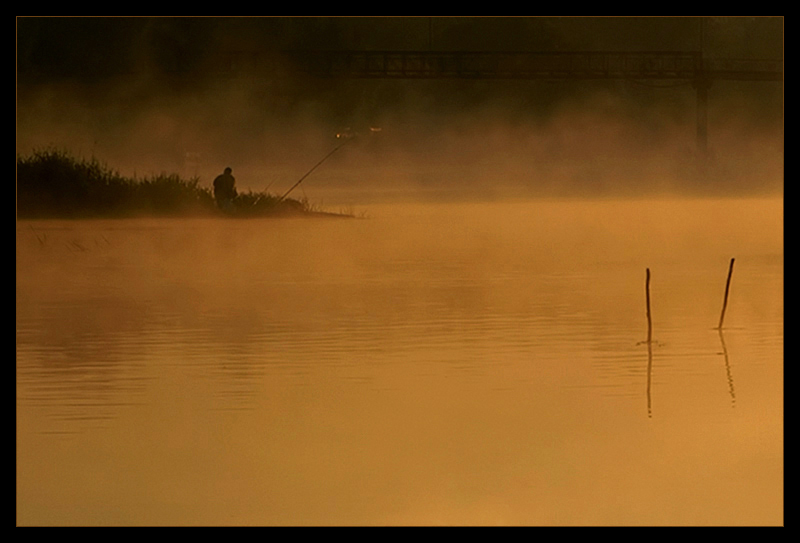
[
  {"x": 727, "y": 289},
  {"x": 647, "y": 299}
]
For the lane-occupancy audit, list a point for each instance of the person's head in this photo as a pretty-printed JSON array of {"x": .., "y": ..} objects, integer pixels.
[{"x": 228, "y": 171}]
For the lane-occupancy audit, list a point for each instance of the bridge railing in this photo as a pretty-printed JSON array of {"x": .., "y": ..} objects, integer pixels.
[
  {"x": 500, "y": 65},
  {"x": 674, "y": 65},
  {"x": 530, "y": 65}
]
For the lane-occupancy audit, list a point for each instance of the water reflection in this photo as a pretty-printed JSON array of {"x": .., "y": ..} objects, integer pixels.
[
  {"x": 430, "y": 366},
  {"x": 649, "y": 379},
  {"x": 728, "y": 372},
  {"x": 649, "y": 385}
]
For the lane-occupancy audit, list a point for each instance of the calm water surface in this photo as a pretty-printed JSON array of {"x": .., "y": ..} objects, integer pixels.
[{"x": 432, "y": 364}]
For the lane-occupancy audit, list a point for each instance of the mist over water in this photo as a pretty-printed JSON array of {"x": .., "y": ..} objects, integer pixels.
[
  {"x": 469, "y": 350},
  {"x": 599, "y": 144},
  {"x": 440, "y": 363},
  {"x": 134, "y": 109}
]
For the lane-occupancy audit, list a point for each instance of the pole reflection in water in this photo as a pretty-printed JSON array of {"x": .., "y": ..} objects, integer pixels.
[{"x": 728, "y": 372}]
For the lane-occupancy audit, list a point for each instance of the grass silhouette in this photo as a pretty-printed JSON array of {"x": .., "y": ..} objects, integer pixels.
[{"x": 52, "y": 183}]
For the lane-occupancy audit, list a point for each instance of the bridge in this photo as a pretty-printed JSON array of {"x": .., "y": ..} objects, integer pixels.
[
  {"x": 689, "y": 66},
  {"x": 532, "y": 65}
]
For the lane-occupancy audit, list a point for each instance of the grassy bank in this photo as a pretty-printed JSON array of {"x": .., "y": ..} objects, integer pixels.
[{"x": 54, "y": 184}]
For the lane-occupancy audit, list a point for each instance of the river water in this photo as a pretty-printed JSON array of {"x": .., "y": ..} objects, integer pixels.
[{"x": 445, "y": 364}]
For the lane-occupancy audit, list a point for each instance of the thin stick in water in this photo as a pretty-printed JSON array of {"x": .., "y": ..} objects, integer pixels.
[
  {"x": 727, "y": 289},
  {"x": 647, "y": 298}
]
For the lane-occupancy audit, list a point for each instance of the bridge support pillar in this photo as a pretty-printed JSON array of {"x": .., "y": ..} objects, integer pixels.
[{"x": 701, "y": 85}]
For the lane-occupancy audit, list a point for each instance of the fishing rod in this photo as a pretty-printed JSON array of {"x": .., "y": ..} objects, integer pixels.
[{"x": 345, "y": 142}]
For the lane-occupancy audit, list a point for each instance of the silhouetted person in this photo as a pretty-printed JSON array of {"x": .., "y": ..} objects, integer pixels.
[{"x": 225, "y": 190}]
